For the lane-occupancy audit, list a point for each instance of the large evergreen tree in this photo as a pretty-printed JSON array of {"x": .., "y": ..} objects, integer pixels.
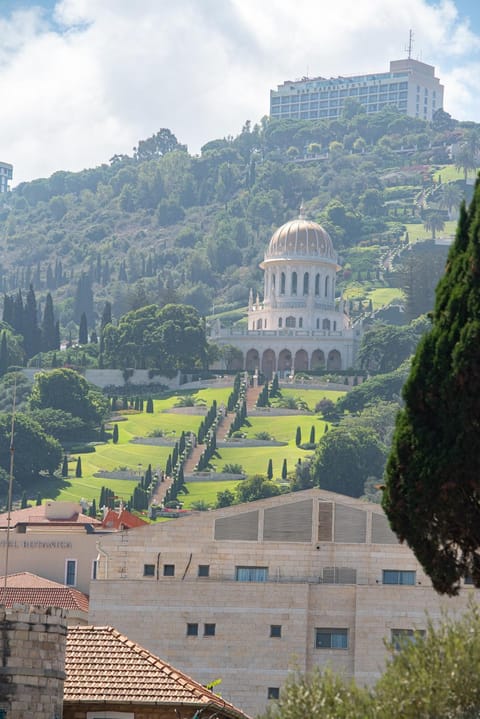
[
  {"x": 31, "y": 330},
  {"x": 83, "y": 331},
  {"x": 49, "y": 334},
  {"x": 433, "y": 472}
]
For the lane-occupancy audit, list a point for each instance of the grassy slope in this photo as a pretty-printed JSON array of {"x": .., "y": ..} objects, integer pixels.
[{"x": 128, "y": 455}]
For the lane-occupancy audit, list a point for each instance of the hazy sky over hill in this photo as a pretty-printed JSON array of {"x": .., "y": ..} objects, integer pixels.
[{"x": 81, "y": 80}]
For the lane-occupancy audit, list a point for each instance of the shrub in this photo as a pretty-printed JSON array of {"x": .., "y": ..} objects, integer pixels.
[
  {"x": 264, "y": 436},
  {"x": 233, "y": 468}
]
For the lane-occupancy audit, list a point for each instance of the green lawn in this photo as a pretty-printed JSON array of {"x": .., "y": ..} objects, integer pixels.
[
  {"x": 383, "y": 296},
  {"x": 448, "y": 173},
  {"x": 136, "y": 457},
  {"x": 417, "y": 232}
]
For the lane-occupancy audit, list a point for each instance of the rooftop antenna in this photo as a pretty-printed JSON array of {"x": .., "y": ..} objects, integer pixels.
[
  {"x": 409, "y": 47},
  {"x": 10, "y": 483}
]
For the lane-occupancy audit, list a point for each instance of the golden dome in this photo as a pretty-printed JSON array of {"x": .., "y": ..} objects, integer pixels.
[{"x": 301, "y": 238}]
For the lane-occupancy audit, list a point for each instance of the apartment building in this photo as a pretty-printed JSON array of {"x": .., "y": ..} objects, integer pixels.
[{"x": 6, "y": 174}]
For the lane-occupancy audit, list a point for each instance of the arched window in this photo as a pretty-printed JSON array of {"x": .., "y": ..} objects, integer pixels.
[
  {"x": 282, "y": 283},
  {"x": 294, "y": 283},
  {"x": 327, "y": 285},
  {"x": 305, "y": 283},
  {"x": 335, "y": 326},
  {"x": 273, "y": 281},
  {"x": 259, "y": 324},
  {"x": 290, "y": 322},
  {"x": 300, "y": 322},
  {"x": 318, "y": 323},
  {"x": 280, "y": 322},
  {"x": 317, "y": 285},
  {"x": 326, "y": 325}
]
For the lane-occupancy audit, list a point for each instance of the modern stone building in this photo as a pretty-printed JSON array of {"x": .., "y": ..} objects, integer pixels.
[
  {"x": 299, "y": 325},
  {"x": 247, "y": 593},
  {"x": 410, "y": 86},
  {"x": 6, "y": 174}
]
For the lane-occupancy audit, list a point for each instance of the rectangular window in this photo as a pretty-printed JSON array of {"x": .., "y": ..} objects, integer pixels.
[
  {"x": 251, "y": 574},
  {"x": 276, "y": 630},
  {"x": 398, "y": 576},
  {"x": 168, "y": 570},
  {"x": 71, "y": 572},
  {"x": 203, "y": 570},
  {"x": 209, "y": 630},
  {"x": 148, "y": 570},
  {"x": 192, "y": 629},
  {"x": 94, "y": 570},
  {"x": 331, "y": 638},
  {"x": 273, "y": 693},
  {"x": 400, "y": 636}
]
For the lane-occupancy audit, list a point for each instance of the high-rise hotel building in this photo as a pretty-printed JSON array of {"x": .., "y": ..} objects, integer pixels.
[{"x": 410, "y": 85}]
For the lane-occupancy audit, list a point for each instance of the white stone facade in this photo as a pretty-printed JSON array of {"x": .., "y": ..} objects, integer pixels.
[
  {"x": 298, "y": 326},
  {"x": 247, "y": 593}
]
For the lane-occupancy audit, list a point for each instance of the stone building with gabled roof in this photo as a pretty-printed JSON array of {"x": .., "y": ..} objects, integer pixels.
[
  {"x": 249, "y": 592},
  {"x": 108, "y": 675},
  {"x": 30, "y": 589}
]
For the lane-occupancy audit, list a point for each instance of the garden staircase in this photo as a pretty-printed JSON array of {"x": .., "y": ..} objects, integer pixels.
[
  {"x": 191, "y": 463},
  {"x": 252, "y": 396}
]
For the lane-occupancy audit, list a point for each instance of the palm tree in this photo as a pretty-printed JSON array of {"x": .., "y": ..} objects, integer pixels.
[
  {"x": 434, "y": 222},
  {"x": 450, "y": 197}
]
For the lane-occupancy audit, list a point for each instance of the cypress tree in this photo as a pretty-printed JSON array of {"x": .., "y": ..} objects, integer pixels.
[
  {"x": 433, "y": 471},
  {"x": 115, "y": 434},
  {"x": 48, "y": 333},
  {"x": 284, "y": 469},
  {"x": 149, "y": 409},
  {"x": 24, "y": 501},
  {"x": 168, "y": 468},
  {"x": 31, "y": 331},
  {"x": 92, "y": 510},
  {"x": 3, "y": 353},
  {"x": 83, "y": 331},
  {"x": 270, "y": 469},
  {"x": 298, "y": 437},
  {"x": 83, "y": 301},
  {"x": 78, "y": 468},
  {"x": 65, "y": 466},
  {"x": 39, "y": 499},
  {"x": 175, "y": 454},
  {"x": 312, "y": 435}
]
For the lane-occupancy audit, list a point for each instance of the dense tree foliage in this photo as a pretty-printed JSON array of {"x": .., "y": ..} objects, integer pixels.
[
  {"x": 169, "y": 338},
  {"x": 35, "y": 451},
  {"x": 65, "y": 389},
  {"x": 432, "y": 478}
]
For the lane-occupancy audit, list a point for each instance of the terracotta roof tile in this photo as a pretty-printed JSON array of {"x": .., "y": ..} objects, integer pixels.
[
  {"x": 27, "y": 588},
  {"x": 103, "y": 665}
]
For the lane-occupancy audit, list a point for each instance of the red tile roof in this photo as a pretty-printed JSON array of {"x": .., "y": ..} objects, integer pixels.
[
  {"x": 27, "y": 588},
  {"x": 121, "y": 520},
  {"x": 102, "y": 665}
]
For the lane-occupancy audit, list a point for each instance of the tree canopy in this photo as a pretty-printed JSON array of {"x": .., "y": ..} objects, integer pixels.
[
  {"x": 35, "y": 451},
  {"x": 65, "y": 389},
  {"x": 433, "y": 472}
]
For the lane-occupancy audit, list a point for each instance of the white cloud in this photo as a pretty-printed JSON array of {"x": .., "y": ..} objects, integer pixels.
[{"x": 104, "y": 74}]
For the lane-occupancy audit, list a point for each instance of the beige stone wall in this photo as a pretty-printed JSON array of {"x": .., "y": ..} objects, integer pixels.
[
  {"x": 154, "y": 611},
  {"x": 45, "y": 552},
  {"x": 32, "y": 645}
]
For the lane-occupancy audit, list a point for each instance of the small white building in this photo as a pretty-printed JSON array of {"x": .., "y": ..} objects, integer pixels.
[{"x": 299, "y": 325}]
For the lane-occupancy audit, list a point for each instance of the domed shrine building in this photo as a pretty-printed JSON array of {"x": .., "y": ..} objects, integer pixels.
[{"x": 299, "y": 325}]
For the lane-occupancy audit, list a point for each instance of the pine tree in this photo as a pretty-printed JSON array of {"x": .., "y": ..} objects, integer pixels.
[
  {"x": 78, "y": 468},
  {"x": 432, "y": 475},
  {"x": 65, "y": 466},
  {"x": 83, "y": 331},
  {"x": 115, "y": 434}
]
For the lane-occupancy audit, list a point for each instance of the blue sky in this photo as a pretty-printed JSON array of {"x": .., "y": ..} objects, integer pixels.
[{"x": 81, "y": 80}]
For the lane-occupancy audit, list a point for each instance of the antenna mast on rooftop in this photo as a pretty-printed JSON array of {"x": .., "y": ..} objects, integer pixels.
[{"x": 409, "y": 47}]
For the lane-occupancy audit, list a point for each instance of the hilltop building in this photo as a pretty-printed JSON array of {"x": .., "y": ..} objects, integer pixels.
[
  {"x": 6, "y": 174},
  {"x": 299, "y": 325},
  {"x": 410, "y": 86},
  {"x": 247, "y": 593}
]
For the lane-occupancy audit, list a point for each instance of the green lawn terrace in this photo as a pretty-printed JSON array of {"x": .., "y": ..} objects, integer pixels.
[{"x": 131, "y": 457}]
